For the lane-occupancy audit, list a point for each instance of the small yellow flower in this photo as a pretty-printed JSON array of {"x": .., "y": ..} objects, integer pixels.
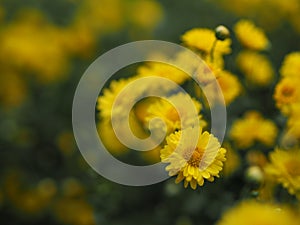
[
  {"x": 253, "y": 127},
  {"x": 291, "y": 65},
  {"x": 164, "y": 110},
  {"x": 203, "y": 39},
  {"x": 230, "y": 87},
  {"x": 287, "y": 93},
  {"x": 284, "y": 167},
  {"x": 163, "y": 70},
  {"x": 256, "y": 213},
  {"x": 106, "y": 101},
  {"x": 143, "y": 10},
  {"x": 251, "y": 36},
  {"x": 193, "y": 164},
  {"x": 256, "y": 67}
]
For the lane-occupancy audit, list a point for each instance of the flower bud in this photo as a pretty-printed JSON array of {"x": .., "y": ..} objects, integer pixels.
[
  {"x": 254, "y": 176},
  {"x": 222, "y": 32}
]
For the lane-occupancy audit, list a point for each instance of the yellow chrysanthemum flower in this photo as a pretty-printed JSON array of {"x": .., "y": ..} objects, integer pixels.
[
  {"x": 251, "y": 36},
  {"x": 143, "y": 11},
  {"x": 190, "y": 164},
  {"x": 291, "y": 65},
  {"x": 164, "y": 110},
  {"x": 284, "y": 167},
  {"x": 203, "y": 39},
  {"x": 253, "y": 127},
  {"x": 163, "y": 70},
  {"x": 291, "y": 135},
  {"x": 25, "y": 45},
  {"x": 230, "y": 87},
  {"x": 256, "y": 213},
  {"x": 106, "y": 101},
  {"x": 256, "y": 67},
  {"x": 287, "y": 93}
]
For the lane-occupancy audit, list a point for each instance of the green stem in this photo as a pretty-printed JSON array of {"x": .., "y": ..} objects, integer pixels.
[{"x": 212, "y": 50}]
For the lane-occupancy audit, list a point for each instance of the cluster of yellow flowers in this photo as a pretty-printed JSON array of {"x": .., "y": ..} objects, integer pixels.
[
  {"x": 254, "y": 132},
  {"x": 34, "y": 49},
  {"x": 191, "y": 164},
  {"x": 263, "y": 11}
]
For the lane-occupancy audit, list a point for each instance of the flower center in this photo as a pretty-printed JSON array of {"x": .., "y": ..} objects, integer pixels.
[
  {"x": 196, "y": 157},
  {"x": 287, "y": 92}
]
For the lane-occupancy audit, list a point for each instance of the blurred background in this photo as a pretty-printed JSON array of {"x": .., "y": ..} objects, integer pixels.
[{"x": 45, "y": 47}]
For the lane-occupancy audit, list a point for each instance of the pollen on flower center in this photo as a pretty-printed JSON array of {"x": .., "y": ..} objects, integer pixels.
[
  {"x": 196, "y": 157},
  {"x": 287, "y": 91}
]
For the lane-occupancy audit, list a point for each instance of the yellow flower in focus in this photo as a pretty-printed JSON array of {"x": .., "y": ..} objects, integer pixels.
[
  {"x": 284, "y": 167},
  {"x": 251, "y": 36},
  {"x": 256, "y": 67},
  {"x": 257, "y": 213},
  {"x": 253, "y": 127},
  {"x": 287, "y": 93},
  {"x": 190, "y": 164},
  {"x": 291, "y": 65},
  {"x": 165, "y": 110},
  {"x": 203, "y": 39}
]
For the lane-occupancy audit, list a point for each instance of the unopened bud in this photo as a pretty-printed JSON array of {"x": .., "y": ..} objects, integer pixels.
[
  {"x": 254, "y": 175},
  {"x": 222, "y": 32}
]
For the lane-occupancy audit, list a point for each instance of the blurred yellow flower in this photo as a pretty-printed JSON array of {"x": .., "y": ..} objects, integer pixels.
[
  {"x": 251, "y": 36},
  {"x": 257, "y": 213},
  {"x": 287, "y": 93},
  {"x": 256, "y": 67},
  {"x": 106, "y": 101},
  {"x": 143, "y": 10},
  {"x": 31, "y": 43},
  {"x": 112, "y": 142},
  {"x": 193, "y": 165},
  {"x": 230, "y": 86},
  {"x": 74, "y": 212},
  {"x": 284, "y": 167},
  {"x": 166, "y": 111},
  {"x": 100, "y": 20},
  {"x": 13, "y": 89},
  {"x": 203, "y": 39},
  {"x": 253, "y": 127},
  {"x": 163, "y": 70},
  {"x": 291, "y": 65},
  {"x": 256, "y": 158}
]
